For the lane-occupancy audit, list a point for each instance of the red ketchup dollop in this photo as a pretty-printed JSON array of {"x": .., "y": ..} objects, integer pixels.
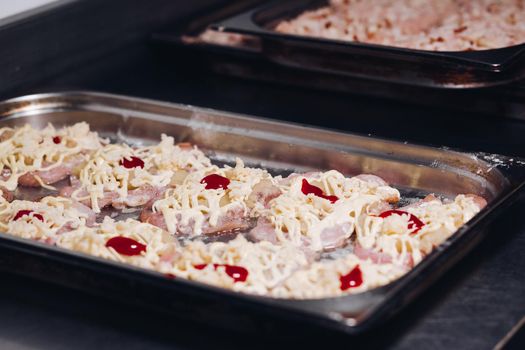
[
  {"x": 201, "y": 266},
  {"x": 237, "y": 273},
  {"x": 132, "y": 162},
  {"x": 214, "y": 182},
  {"x": 22, "y": 213},
  {"x": 126, "y": 246},
  {"x": 306, "y": 188},
  {"x": 413, "y": 222},
  {"x": 57, "y": 139},
  {"x": 352, "y": 279}
]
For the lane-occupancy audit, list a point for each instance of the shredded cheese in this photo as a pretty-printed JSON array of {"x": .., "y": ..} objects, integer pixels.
[
  {"x": 306, "y": 219},
  {"x": 322, "y": 279},
  {"x": 164, "y": 165},
  {"x": 268, "y": 265},
  {"x": 192, "y": 209},
  {"x": 58, "y": 215},
  {"x": 393, "y": 237},
  {"x": 26, "y": 149},
  {"x": 166, "y": 155},
  {"x": 442, "y": 219},
  {"x": 161, "y": 248},
  {"x": 335, "y": 211}
]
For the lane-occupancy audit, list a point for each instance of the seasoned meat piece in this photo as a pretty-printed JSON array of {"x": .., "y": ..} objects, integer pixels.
[
  {"x": 262, "y": 194},
  {"x": 139, "y": 197},
  {"x": 83, "y": 210},
  {"x": 135, "y": 198},
  {"x": 335, "y": 236},
  {"x": 264, "y": 231},
  {"x": 8, "y": 195},
  {"x": 103, "y": 202},
  {"x": 331, "y": 238},
  {"x": 52, "y": 175},
  {"x": 150, "y": 217},
  {"x": 479, "y": 201},
  {"x": 372, "y": 255},
  {"x": 232, "y": 220}
]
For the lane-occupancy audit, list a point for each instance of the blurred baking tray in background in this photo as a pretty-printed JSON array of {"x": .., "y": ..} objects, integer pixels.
[
  {"x": 489, "y": 82},
  {"x": 459, "y": 70}
]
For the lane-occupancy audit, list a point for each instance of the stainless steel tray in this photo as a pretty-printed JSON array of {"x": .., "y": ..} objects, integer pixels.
[{"x": 281, "y": 148}]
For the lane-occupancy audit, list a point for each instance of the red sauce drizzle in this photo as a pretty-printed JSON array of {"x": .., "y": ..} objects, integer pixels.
[
  {"x": 237, "y": 273},
  {"x": 306, "y": 188},
  {"x": 170, "y": 276},
  {"x": 57, "y": 139},
  {"x": 126, "y": 246},
  {"x": 200, "y": 266},
  {"x": 23, "y": 213},
  {"x": 214, "y": 182},
  {"x": 132, "y": 162},
  {"x": 352, "y": 279},
  {"x": 413, "y": 223}
]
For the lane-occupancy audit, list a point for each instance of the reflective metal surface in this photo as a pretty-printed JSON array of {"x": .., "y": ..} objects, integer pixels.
[
  {"x": 281, "y": 148},
  {"x": 445, "y": 69}
]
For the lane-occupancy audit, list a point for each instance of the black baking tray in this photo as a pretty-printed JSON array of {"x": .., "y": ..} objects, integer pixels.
[
  {"x": 276, "y": 146},
  {"x": 453, "y": 70},
  {"x": 179, "y": 43}
]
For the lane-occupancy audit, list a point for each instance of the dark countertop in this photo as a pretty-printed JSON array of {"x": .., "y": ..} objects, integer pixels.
[{"x": 473, "y": 307}]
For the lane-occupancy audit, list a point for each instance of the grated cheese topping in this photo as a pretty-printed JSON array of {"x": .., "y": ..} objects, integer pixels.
[
  {"x": 305, "y": 219},
  {"x": 161, "y": 248},
  {"x": 333, "y": 212},
  {"x": 268, "y": 265},
  {"x": 443, "y": 220},
  {"x": 192, "y": 209},
  {"x": 323, "y": 279},
  {"x": 166, "y": 155},
  {"x": 165, "y": 164},
  {"x": 46, "y": 220},
  {"x": 27, "y": 149},
  {"x": 393, "y": 237}
]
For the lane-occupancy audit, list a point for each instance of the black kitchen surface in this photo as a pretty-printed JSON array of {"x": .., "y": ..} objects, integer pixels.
[{"x": 473, "y": 307}]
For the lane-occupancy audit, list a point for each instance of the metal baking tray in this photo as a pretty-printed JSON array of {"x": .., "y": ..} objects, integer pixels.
[
  {"x": 180, "y": 43},
  {"x": 281, "y": 148},
  {"x": 454, "y": 70}
]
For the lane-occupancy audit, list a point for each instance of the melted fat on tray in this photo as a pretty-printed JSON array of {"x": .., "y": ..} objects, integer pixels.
[{"x": 236, "y": 227}]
